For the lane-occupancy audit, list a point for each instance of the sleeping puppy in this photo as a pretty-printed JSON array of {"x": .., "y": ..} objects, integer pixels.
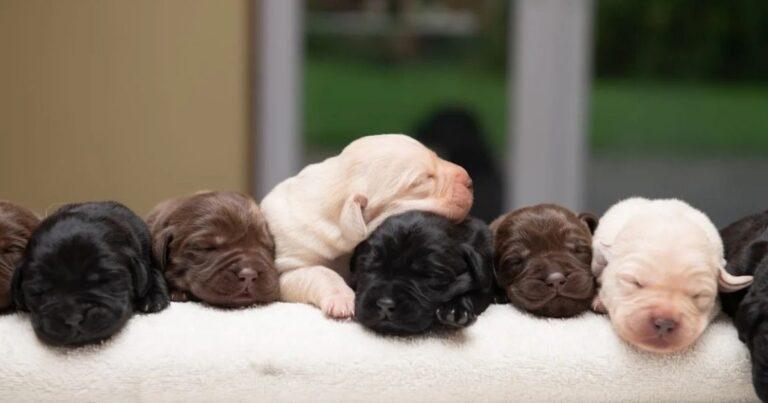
[
  {"x": 542, "y": 258},
  {"x": 318, "y": 216},
  {"x": 215, "y": 247},
  {"x": 86, "y": 269},
  {"x": 659, "y": 264},
  {"x": 16, "y": 226},
  {"x": 746, "y": 250},
  {"x": 419, "y": 270}
]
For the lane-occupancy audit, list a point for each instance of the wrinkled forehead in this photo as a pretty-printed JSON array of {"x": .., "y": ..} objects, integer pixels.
[
  {"x": 215, "y": 214},
  {"x": 543, "y": 230},
  {"x": 681, "y": 268}
]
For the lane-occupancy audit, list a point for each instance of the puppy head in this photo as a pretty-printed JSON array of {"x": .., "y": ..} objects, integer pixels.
[
  {"x": 217, "y": 247},
  {"x": 661, "y": 282},
  {"x": 543, "y": 256},
  {"x": 16, "y": 226},
  {"x": 391, "y": 174},
  {"x": 409, "y": 267},
  {"x": 78, "y": 289}
]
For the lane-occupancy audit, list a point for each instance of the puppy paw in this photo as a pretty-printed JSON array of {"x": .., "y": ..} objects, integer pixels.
[
  {"x": 153, "y": 302},
  {"x": 457, "y": 314},
  {"x": 597, "y": 306},
  {"x": 340, "y": 305},
  {"x": 179, "y": 296}
]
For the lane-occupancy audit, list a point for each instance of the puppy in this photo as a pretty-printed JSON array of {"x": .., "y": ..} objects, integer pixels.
[
  {"x": 86, "y": 269},
  {"x": 659, "y": 264},
  {"x": 746, "y": 250},
  {"x": 318, "y": 216},
  {"x": 16, "y": 226},
  {"x": 215, "y": 247},
  {"x": 419, "y": 270},
  {"x": 542, "y": 258}
]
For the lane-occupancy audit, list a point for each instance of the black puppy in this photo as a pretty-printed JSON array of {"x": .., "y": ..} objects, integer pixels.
[
  {"x": 418, "y": 271},
  {"x": 455, "y": 133},
  {"x": 746, "y": 247},
  {"x": 86, "y": 269}
]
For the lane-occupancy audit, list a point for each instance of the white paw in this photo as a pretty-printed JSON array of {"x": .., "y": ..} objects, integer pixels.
[{"x": 340, "y": 305}]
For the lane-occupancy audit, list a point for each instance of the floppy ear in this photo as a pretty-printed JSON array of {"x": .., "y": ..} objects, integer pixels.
[
  {"x": 160, "y": 244},
  {"x": 16, "y": 294},
  {"x": 601, "y": 254},
  {"x": 495, "y": 224},
  {"x": 139, "y": 275},
  {"x": 352, "y": 220},
  {"x": 480, "y": 264},
  {"x": 726, "y": 282},
  {"x": 748, "y": 316},
  {"x": 591, "y": 220}
]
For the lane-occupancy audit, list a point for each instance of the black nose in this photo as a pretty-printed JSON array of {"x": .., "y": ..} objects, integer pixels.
[
  {"x": 386, "y": 304},
  {"x": 74, "y": 320},
  {"x": 555, "y": 279},
  {"x": 663, "y": 325}
]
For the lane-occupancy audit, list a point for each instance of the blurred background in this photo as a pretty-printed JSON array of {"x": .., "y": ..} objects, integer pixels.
[{"x": 575, "y": 101}]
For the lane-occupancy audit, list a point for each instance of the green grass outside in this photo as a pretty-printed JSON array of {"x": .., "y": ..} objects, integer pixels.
[{"x": 345, "y": 100}]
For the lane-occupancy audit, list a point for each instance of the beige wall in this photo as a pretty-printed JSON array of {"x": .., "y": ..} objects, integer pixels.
[{"x": 127, "y": 100}]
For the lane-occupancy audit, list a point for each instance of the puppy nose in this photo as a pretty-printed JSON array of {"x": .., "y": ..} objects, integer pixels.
[
  {"x": 247, "y": 274},
  {"x": 386, "y": 304},
  {"x": 664, "y": 325},
  {"x": 555, "y": 279},
  {"x": 74, "y": 320}
]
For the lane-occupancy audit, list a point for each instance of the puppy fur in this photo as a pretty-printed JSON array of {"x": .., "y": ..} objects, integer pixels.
[
  {"x": 16, "y": 226},
  {"x": 318, "y": 216},
  {"x": 746, "y": 250},
  {"x": 659, "y": 264},
  {"x": 215, "y": 247},
  {"x": 418, "y": 271},
  {"x": 542, "y": 258},
  {"x": 86, "y": 269}
]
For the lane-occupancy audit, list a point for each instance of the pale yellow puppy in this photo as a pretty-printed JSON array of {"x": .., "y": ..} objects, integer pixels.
[
  {"x": 318, "y": 216},
  {"x": 659, "y": 264}
]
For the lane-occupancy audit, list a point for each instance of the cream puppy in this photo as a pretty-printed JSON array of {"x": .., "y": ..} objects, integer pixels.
[
  {"x": 318, "y": 216},
  {"x": 659, "y": 264}
]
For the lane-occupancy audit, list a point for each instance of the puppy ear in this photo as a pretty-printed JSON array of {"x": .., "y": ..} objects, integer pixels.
[
  {"x": 352, "y": 220},
  {"x": 601, "y": 254},
  {"x": 16, "y": 293},
  {"x": 748, "y": 316},
  {"x": 591, "y": 220},
  {"x": 160, "y": 245},
  {"x": 480, "y": 264},
  {"x": 158, "y": 221},
  {"x": 495, "y": 224},
  {"x": 139, "y": 275},
  {"x": 726, "y": 282}
]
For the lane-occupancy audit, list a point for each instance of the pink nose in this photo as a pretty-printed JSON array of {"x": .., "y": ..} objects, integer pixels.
[
  {"x": 247, "y": 274},
  {"x": 663, "y": 325}
]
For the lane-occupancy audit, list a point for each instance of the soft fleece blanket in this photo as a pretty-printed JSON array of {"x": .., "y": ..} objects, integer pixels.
[{"x": 291, "y": 353}]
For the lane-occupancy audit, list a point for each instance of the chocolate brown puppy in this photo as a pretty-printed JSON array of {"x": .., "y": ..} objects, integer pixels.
[
  {"x": 542, "y": 257},
  {"x": 16, "y": 226},
  {"x": 215, "y": 247}
]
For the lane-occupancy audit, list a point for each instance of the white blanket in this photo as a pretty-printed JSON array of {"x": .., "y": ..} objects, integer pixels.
[{"x": 291, "y": 353}]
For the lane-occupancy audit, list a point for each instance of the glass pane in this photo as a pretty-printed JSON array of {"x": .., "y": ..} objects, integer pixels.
[
  {"x": 433, "y": 69},
  {"x": 680, "y": 104}
]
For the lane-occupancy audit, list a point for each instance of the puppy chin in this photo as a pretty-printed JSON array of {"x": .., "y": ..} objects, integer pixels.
[
  {"x": 634, "y": 329},
  {"x": 63, "y": 337},
  {"x": 414, "y": 320}
]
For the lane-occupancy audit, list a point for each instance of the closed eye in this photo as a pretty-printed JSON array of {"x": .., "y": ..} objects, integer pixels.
[{"x": 633, "y": 282}]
